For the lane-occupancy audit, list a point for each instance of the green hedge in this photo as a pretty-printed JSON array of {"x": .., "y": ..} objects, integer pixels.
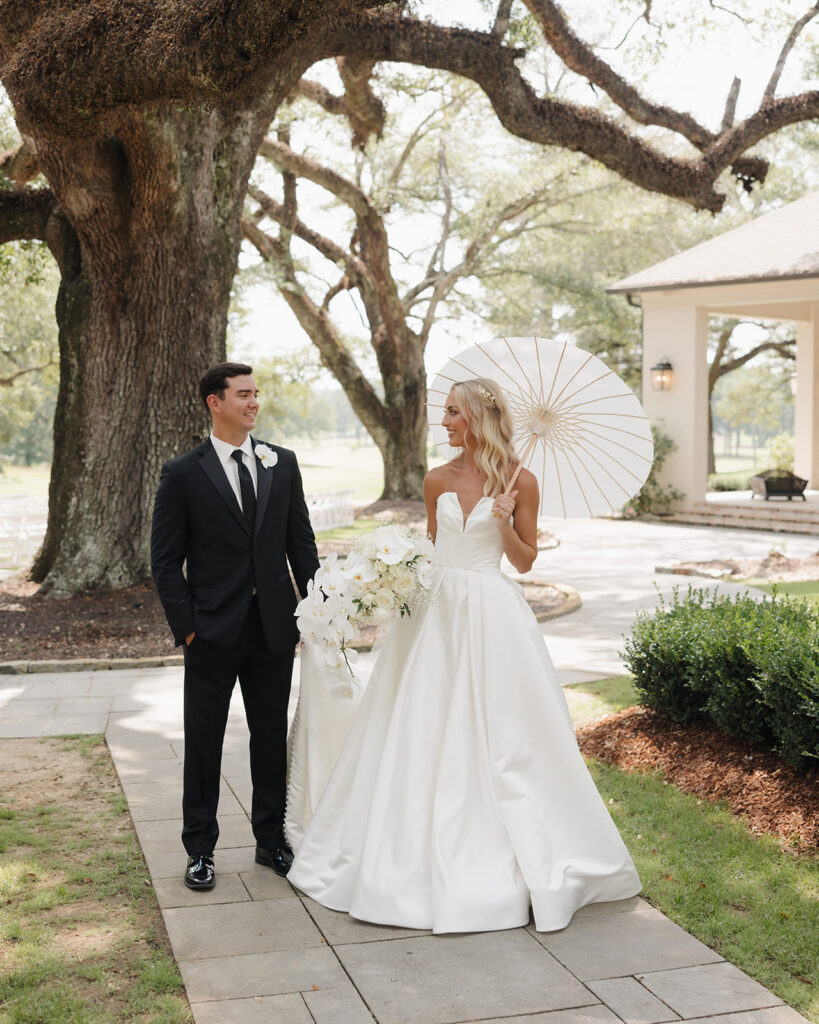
[
  {"x": 750, "y": 666},
  {"x": 729, "y": 481}
]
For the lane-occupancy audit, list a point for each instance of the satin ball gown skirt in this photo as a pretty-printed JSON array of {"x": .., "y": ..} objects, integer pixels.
[{"x": 460, "y": 797}]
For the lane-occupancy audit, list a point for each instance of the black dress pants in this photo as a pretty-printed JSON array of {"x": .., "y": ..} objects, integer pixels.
[{"x": 210, "y": 675}]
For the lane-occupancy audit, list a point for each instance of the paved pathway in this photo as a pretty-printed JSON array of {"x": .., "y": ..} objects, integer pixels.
[{"x": 254, "y": 951}]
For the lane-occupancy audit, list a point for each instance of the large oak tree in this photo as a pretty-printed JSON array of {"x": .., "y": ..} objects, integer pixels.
[{"x": 145, "y": 116}]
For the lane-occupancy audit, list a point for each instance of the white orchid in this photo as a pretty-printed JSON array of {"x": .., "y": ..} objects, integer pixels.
[
  {"x": 378, "y": 580},
  {"x": 391, "y": 545},
  {"x": 266, "y": 456}
]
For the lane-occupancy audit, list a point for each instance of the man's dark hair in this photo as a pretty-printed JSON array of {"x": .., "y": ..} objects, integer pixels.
[{"x": 216, "y": 379}]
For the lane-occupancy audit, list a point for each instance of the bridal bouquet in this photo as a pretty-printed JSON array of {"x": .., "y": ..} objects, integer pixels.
[{"x": 383, "y": 573}]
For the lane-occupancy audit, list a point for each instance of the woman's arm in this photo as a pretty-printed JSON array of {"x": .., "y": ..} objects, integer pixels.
[
  {"x": 520, "y": 537},
  {"x": 433, "y": 486}
]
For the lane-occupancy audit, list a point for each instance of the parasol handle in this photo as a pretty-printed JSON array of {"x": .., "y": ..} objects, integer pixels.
[{"x": 527, "y": 451}]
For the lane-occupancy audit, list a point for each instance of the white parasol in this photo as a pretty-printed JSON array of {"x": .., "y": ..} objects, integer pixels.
[{"x": 577, "y": 426}]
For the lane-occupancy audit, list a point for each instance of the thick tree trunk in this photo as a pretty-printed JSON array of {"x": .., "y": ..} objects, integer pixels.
[
  {"x": 403, "y": 443},
  {"x": 147, "y": 268},
  {"x": 405, "y": 464}
]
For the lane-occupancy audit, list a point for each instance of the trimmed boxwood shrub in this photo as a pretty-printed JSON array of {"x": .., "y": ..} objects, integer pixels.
[
  {"x": 728, "y": 481},
  {"x": 750, "y": 666}
]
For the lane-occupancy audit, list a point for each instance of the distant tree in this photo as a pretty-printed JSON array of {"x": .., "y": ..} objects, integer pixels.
[
  {"x": 28, "y": 357},
  {"x": 755, "y": 400},
  {"x": 736, "y": 401},
  {"x": 291, "y": 404}
]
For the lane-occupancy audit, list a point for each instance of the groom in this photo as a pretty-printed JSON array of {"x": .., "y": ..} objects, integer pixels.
[{"x": 228, "y": 517}]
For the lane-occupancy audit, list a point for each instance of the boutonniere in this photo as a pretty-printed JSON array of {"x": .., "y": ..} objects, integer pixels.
[{"x": 266, "y": 456}]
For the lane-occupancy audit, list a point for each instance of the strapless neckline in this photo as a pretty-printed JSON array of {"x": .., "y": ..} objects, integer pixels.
[{"x": 465, "y": 518}]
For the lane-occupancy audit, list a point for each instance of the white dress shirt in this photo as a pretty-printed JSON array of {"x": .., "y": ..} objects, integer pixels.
[{"x": 225, "y": 452}]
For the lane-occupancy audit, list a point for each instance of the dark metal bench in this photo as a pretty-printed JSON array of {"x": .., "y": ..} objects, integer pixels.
[{"x": 778, "y": 483}]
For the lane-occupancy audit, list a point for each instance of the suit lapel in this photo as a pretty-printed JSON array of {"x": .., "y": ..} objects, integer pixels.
[
  {"x": 264, "y": 479},
  {"x": 216, "y": 474}
]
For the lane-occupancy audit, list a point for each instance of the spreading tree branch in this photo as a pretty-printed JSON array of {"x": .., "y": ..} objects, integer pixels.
[
  {"x": 787, "y": 46},
  {"x": 355, "y": 270},
  {"x": 359, "y": 105},
  {"x": 318, "y": 326},
  {"x": 390, "y": 336},
  {"x": 235, "y": 54},
  {"x": 6, "y": 382},
  {"x": 787, "y": 349},
  {"x": 320, "y": 94},
  {"x": 549, "y": 121},
  {"x": 502, "y": 15},
  {"x": 367, "y": 112},
  {"x": 731, "y": 105}
]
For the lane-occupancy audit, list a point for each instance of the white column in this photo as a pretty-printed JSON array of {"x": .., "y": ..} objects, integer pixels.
[
  {"x": 806, "y": 425},
  {"x": 679, "y": 333}
]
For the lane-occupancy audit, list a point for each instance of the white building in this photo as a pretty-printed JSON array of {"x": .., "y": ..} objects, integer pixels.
[{"x": 768, "y": 268}]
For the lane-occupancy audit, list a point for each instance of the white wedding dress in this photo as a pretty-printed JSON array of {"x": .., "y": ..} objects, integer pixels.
[{"x": 460, "y": 797}]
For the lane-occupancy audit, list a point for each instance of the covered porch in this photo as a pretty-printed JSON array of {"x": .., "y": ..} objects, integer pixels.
[{"x": 766, "y": 269}]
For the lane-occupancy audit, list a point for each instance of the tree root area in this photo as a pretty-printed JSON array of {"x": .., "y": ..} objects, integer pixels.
[
  {"x": 107, "y": 624},
  {"x": 698, "y": 758}
]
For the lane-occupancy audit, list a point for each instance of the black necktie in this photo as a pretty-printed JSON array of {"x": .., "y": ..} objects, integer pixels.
[{"x": 246, "y": 486}]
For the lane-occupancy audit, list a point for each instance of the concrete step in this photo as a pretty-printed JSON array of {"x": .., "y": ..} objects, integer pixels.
[
  {"x": 740, "y": 519},
  {"x": 793, "y": 510}
]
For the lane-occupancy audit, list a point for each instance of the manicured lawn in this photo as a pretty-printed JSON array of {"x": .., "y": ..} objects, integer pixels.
[
  {"x": 350, "y": 533},
  {"x": 81, "y": 936},
  {"x": 806, "y": 590},
  {"x": 588, "y": 701},
  {"x": 338, "y": 464},
  {"x": 30, "y": 480},
  {"x": 739, "y": 894}
]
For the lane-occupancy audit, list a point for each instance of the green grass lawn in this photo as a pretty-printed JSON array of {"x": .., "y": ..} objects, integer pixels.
[
  {"x": 31, "y": 480},
  {"x": 350, "y": 533},
  {"x": 739, "y": 894},
  {"x": 588, "y": 701},
  {"x": 81, "y": 936},
  {"x": 340, "y": 465},
  {"x": 805, "y": 590}
]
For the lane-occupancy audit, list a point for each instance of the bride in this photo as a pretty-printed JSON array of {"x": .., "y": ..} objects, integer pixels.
[{"x": 460, "y": 798}]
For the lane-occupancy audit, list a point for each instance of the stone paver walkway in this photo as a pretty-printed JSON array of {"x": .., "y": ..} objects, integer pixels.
[{"x": 253, "y": 951}]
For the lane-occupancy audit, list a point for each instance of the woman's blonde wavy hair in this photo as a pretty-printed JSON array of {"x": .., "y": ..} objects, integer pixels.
[{"x": 490, "y": 423}]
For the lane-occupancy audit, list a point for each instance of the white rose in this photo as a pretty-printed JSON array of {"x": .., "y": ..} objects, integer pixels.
[
  {"x": 384, "y": 598},
  {"x": 404, "y": 582},
  {"x": 380, "y": 616}
]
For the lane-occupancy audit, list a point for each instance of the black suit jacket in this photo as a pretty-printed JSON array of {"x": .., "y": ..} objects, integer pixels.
[{"x": 197, "y": 520}]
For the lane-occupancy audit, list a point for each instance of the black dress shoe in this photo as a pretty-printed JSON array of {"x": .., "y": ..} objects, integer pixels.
[
  {"x": 199, "y": 873},
  {"x": 280, "y": 858}
]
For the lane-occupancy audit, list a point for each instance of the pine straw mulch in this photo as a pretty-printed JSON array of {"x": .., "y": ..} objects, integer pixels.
[{"x": 700, "y": 759}]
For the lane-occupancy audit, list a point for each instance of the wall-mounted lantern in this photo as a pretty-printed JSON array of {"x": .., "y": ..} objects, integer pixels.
[{"x": 662, "y": 376}]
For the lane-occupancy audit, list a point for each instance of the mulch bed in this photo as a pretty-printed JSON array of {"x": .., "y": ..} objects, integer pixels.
[
  {"x": 111, "y": 624},
  {"x": 775, "y": 567},
  {"x": 122, "y": 624},
  {"x": 700, "y": 759}
]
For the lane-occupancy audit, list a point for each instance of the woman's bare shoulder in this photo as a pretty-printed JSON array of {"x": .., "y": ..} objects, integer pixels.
[{"x": 437, "y": 481}]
